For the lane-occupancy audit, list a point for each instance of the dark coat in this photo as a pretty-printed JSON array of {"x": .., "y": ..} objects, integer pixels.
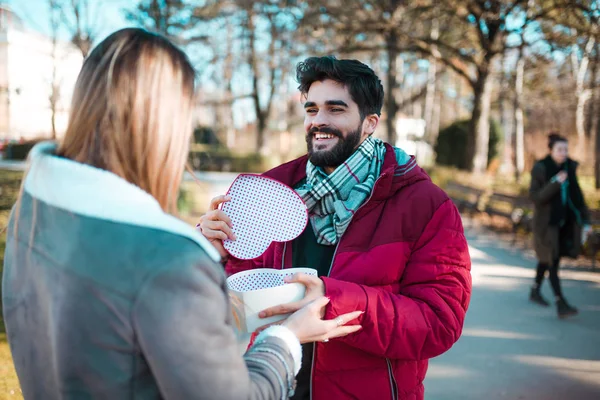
[{"x": 549, "y": 244}]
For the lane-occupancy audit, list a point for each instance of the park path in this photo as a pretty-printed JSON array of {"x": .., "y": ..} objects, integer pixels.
[{"x": 513, "y": 349}]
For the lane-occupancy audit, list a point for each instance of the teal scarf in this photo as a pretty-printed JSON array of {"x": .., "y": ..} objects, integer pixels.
[{"x": 332, "y": 200}]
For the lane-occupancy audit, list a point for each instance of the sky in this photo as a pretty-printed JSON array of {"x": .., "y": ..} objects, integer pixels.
[{"x": 109, "y": 16}]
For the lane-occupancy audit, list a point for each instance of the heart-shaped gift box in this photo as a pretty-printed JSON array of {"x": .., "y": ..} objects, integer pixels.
[
  {"x": 262, "y": 211},
  {"x": 257, "y": 289}
]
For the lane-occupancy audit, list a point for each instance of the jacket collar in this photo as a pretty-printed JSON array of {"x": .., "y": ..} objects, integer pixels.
[
  {"x": 92, "y": 192},
  {"x": 399, "y": 170}
]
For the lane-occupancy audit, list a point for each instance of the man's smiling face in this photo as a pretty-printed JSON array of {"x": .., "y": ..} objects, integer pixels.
[{"x": 333, "y": 124}]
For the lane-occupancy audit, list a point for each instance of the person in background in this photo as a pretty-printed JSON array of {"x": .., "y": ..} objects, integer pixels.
[
  {"x": 383, "y": 238},
  {"x": 560, "y": 219},
  {"x": 105, "y": 293}
]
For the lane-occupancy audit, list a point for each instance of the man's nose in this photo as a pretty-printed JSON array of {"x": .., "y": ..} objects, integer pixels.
[{"x": 320, "y": 119}]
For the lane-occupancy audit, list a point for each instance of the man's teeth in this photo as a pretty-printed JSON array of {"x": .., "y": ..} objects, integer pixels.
[{"x": 324, "y": 136}]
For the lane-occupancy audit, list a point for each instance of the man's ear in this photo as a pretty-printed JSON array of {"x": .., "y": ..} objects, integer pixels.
[{"x": 370, "y": 123}]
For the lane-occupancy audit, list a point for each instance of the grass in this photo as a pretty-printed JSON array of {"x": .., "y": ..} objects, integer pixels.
[{"x": 9, "y": 188}]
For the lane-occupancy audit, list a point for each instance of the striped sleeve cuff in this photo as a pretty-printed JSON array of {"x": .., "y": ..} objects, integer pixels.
[{"x": 288, "y": 337}]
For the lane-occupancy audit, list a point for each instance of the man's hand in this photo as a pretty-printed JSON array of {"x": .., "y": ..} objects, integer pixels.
[
  {"x": 216, "y": 226},
  {"x": 314, "y": 289}
]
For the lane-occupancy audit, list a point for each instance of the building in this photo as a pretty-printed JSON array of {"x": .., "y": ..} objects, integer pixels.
[
  {"x": 411, "y": 138},
  {"x": 30, "y": 67}
]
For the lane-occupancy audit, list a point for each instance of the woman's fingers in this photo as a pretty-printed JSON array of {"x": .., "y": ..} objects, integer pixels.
[
  {"x": 217, "y": 201},
  {"x": 343, "y": 331},
  {"x": 345, "y": 318},
  {"x": 214, "y": 234},
  {"x": 337, "y": 327},
  {"x": 281, "y": 309},
  {"x": 220, "y": 226},
  {"x": 217, "y": 230},
  {"x": 338, "y": 332},
  {"x": 217, "y": 215}
]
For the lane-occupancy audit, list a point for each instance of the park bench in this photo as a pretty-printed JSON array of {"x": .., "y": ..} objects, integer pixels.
[
  {"x": 466, "y": 198},
  {"x": 516, "y": 209}
]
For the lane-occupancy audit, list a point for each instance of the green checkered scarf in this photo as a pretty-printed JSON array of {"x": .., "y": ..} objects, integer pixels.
[{"x": 333, "y": 199}]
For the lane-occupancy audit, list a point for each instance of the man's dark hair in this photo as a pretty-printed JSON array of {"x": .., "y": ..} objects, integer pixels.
[
  {"x": 364, "y": 86},
  {"x": 553, "y": 138}
]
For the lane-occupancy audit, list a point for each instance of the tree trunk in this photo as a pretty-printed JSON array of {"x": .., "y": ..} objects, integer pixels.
[
  {"x": 53, "y": 120},
  {"x": 430, "y": 99},
  {"x": 54, "y": 86},
  {"x": 400, "y": 82},
  {"x": 597, "y": 152},
  {"x": 597, "y": 125},
  {"x": 391, "y": 104},
  {"x": 262, "y": 110},
  {"x": 479, "y": 132},
  {"x": 457, "y": 81},
  {"x": 507, "y": 167},
  {"x": 228, "y": 76},
  {"x": 431, "y": 88},
  {"x": 80, "y": 41},
  {"x": 593, "y": 109},
  {"x": 519, "y": 128},
  {"x": 273, "y": 66},
  {"x": 54, "y": 93},
  {"x": 253, "y": 62},
  {"x": 595, "y": 106},
  {"x": 582, "y": 95},
  {"x": 435, "y": 120}
]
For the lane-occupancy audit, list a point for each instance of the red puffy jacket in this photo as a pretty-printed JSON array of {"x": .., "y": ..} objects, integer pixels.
[{"x": 404, "y": 260}]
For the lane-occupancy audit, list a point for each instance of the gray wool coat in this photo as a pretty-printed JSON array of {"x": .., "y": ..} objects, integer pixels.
[{"x": 107, "y": 297}]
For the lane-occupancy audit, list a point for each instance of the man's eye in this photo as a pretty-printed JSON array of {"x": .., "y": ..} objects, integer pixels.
[
  {"x": 337, "y": 109},
  {"x": 311, "y": 111}
]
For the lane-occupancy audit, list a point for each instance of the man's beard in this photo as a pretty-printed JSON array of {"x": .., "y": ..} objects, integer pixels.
[{"x": 342, "y": 150}]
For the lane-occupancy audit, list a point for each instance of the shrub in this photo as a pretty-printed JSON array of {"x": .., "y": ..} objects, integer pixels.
[
  {"x": 451, "y": 144},
  {"x": 206, "y": 135},
  {"x": 224, "y": 161},
  {"x": 19, "y": 151}
]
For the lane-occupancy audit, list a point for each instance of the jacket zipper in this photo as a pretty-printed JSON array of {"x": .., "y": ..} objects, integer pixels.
[
  {"x": 312, "y": 367},
  {"x": 283, "y": 256},
  {"x": 393, "y": 384}
]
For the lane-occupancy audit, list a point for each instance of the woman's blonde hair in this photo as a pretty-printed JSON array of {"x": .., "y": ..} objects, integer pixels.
[{"x": 131, "y": 112}]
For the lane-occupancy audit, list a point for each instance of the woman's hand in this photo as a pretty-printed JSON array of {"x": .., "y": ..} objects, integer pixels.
[
  {"x": 586, "y": 231},
  {"x": 216, "y": 226},
  {"x": 560, "y": 177},
  {"x": 308, "y": 326},
  {"x": 314, "y": 289}
]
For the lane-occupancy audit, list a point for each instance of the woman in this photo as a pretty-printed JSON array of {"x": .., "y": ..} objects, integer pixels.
[
  {"x": 560, "y": 213},
  {"x": 106, "y": 295}
]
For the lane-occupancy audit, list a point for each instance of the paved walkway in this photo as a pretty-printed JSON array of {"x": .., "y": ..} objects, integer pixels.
[
  {"x": 513, "y": 349},
  {"x": 13, "y": 165}
]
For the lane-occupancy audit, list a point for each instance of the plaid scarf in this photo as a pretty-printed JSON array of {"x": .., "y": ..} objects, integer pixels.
[{"x": 333, "y": 199}]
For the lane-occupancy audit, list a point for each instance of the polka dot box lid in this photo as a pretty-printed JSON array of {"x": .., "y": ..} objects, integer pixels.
[{"x": 262, "y": 211}]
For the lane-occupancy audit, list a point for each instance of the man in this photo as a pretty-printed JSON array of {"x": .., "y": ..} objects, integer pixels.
[{"x": 384, "y": 239}]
